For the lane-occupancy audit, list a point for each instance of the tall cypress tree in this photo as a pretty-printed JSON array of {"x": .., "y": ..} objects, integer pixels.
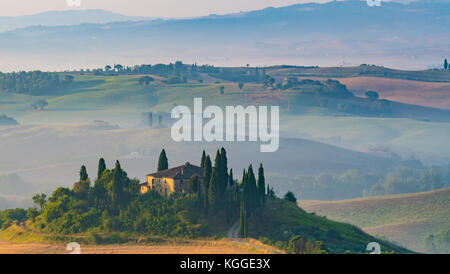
[
  {"x": 223, "y": 173},
  {"x": 83, "y": 174},
  {"x": 244, "y": 185},
  {"x": 163, "y": 163},
  {"x": 241, "y": 219},
  {"x": 230, "y": 178},
  {"x": 207, "y": 170},
  {"x": 117, "y": 185},
  {"x": 261, "y": 185},
  {"x": 101, "y": 168},
  {"x": 213, "y": 190},
  {"x": 252, "y": 190},
  {"x": 202, "y": 161}
]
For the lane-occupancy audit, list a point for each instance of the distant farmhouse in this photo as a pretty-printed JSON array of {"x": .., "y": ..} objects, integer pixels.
[{"x": 172, "y": 180}]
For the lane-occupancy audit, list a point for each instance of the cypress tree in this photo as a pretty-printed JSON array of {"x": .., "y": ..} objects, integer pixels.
[
  {"x": 223, "y": 172},
  {"x": 261, "y": 185},
  {"x": 117, "y": 185},
  {"x": 163, "y": 163},
  {"x": 244, "y": 187},
  {"x": 252, "y": 191},
  {"x": 206, "y": 179},
  {"x": 241, "y": 219},
  {"x": 212, "y": 192},
  {"x": 202, "y": 161},
  {"x": 83, "y": 174},
  {"x": 230, "y": 179},
  {"x": 101, "y": 168}
]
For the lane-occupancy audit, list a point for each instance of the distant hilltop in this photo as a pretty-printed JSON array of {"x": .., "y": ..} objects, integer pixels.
[{"x": 412, "y": 36}]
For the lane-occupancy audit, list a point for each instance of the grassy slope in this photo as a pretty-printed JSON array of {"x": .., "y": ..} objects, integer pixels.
[
  {"x": 431, "y": 94},
  {"x": 282, "y": 218},
  {"x": 120, "y": 100},
  {"x": 374, "y": 71},
  {"x": 405, "y": 218}
]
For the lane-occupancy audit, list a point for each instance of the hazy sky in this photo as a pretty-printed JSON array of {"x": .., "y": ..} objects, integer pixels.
[{"x": 153, "y": 8}]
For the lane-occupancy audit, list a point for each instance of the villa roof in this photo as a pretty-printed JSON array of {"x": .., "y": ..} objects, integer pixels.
[{"x": 181, "y": 172}]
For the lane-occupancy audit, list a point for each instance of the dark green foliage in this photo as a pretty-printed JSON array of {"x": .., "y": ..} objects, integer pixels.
[
  {"x": 213, "y": 190},
  {"x": 145, "y": 80},
  {"x": 117, "y": 187},
  {"x": 230, "y": 178},
  {"x": 269, "y": 192},
  {"x": 372, "y": 95},
  {"x": 223, "y": 171},
  {"x": 101, "y": 168},
  {"x": 250, "y": 195},
  {"x": 243, "y": 220},
  {"x": 261, "y": 185},
  {"x": 7, "y": 217},
  {"x": 446, "y": 64},
  {"x": 114, "y": 204},
  {"x": 202, "y": 161},
  {"x": 290, "y": 197},
  {"x": 241, "y": 85},
  {"x": 207, "y": 178},
  {"x": 32, "y": 213},
  {"x": 40, "y": 200},
  {"x": 33, "y": 82},
  {"x": 163, "y": 163},
  {"x": 83, "y": 174},
  {"x": 81, "y": 188},
  {"x": 194, "y": 184},
  {"x": 222, "y": 90}
]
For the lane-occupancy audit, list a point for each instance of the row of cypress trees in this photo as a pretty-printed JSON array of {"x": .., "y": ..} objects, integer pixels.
[{"x": 220, "y": 191}]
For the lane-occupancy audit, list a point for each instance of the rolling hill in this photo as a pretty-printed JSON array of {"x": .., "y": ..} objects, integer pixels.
[
  {"x": 64, "y": 18},
  {"x": 406, "y": 219}
]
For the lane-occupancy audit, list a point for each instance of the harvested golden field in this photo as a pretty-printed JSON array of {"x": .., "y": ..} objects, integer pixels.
[
  {"x": 430, "y": 94},
  {"x": 192, "y": 247}
]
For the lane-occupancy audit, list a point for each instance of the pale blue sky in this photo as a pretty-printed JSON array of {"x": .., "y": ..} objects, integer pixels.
[{"x": 153, "y": 8}]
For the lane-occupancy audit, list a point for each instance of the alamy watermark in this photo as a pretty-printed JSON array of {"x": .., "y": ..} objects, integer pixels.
[
  {"x": 374, "y": 3},
  {"x": 74, "y": 247},
  {"x": 238, "y": 124},
  {"x": 73, "y": 3},
  {"x": 374, "y": 247}
]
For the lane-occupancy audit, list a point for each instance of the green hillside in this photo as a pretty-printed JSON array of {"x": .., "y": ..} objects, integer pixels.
[
  {"x": 281, "y": 220},
  {"x": 406, "y": 218}
]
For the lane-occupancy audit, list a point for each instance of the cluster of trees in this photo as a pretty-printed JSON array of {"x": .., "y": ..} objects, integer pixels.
[
  {"x": 222, "y": 195},
  {"x": 112, "y": 202},
  {"x": 177, "y": 69},
  {"x": 33, "y": 82},
  {"x": 241, "y": 75},
  {"x": 407, "y": 180},
  {"x": 446, "y": 66},
  {"x": 7, "y": 121},
  {"x": 353, "y": 184},
  {"x": 145, "y": 80}
]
